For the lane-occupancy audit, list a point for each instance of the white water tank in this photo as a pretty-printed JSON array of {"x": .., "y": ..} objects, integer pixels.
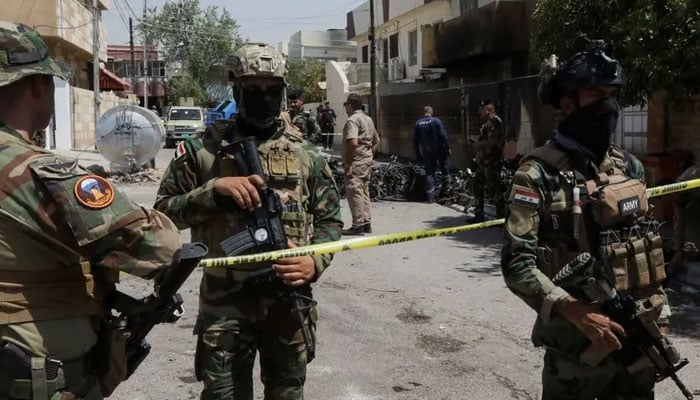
[{"x": 129, "y": 137}]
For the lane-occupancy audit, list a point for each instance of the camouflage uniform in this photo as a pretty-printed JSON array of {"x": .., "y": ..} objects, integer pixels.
[
  {"x": 236, "y": 318},
  {"x": 55, "y": 216},
  {"x": 307, "y": 123},
  {"x": 361, "y": 127},
  {"x": 488, "y": 169},
  {"x": 539, "y": 241}
]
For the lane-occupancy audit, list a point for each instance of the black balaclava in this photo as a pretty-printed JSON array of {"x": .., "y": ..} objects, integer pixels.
[
  {"x": 592, "y": 125},
  {"x": 259, "y": 109}
]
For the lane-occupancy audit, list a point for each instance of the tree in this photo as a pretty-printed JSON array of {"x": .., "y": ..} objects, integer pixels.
[
  {"x": 304, "y": 75},
  {"x": 196, "y": 39},
  {"x": 656, "y": 41},
  {"x": 185, "y": 86}
]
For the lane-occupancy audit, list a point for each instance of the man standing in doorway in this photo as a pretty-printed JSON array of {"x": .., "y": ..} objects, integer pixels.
[
  {"x": 328, "y": 118},
  {"x": 360, "y": 143},
  {"x": 431, "y": 148}
]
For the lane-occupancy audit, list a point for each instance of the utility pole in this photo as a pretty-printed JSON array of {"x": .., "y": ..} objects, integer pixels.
[
  {"x": 145, "y": 57},
  {"x": 96, "y": 60},
  {"x": 372, "y": 65},
  {"x": 131, "y": 46}
]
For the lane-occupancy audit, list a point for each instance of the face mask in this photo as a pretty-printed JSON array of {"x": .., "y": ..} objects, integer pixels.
[
  {"x": 592, "y": 125},
  {"x": 260, "y": 108}
]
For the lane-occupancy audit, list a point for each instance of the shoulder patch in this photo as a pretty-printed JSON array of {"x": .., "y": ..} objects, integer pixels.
[
  {"x": 180, "y": 150},
  {"x": 93, "y": 191},
  {"x": 525, "y": 196}
]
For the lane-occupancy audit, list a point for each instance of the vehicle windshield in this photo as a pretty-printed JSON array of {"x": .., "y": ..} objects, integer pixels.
[{"x": 189, "y": 114}]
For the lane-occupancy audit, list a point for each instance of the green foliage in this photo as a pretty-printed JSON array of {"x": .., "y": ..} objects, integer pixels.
[
  {"x": 185, "y": 86},
  {"x": 656, "y": 41},
  {"x": 304, "y": 75},
  {"x": 197, "y": 39}
]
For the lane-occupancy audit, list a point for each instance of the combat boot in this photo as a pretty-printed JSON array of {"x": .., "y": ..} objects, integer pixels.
[
  {"x": 475, "y": 219},
  {"x": 355, "y": 230}
]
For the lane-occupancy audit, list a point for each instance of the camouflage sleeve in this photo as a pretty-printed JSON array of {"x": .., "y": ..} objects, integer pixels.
[
  {"x": 181, "y": 196},
  {"x": 519, "y": 253},
  {"x": 325, "y": 207},
  {"x": 145, "y": 241},
  {"x": 314, "y": 127}
]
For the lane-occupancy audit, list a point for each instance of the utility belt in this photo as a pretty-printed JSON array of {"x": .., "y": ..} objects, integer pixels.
[{"x": 25, "y": 377}]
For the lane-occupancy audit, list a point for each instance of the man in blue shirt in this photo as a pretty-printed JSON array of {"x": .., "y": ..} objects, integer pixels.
[{"x": 431, "y": 148}]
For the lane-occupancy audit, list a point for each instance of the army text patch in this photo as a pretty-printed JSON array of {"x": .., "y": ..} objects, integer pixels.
[
  {"x": 526, "y": 197},
  {"x": 629, "y": 206}
]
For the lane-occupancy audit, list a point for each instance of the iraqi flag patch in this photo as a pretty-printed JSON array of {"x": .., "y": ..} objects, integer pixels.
[
  {"x": 180, "y": 150},
  {"x": 525, "y": 196}
]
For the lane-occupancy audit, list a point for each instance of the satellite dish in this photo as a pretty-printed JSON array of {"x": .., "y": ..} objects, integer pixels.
[{"x": 129, "y": 136}]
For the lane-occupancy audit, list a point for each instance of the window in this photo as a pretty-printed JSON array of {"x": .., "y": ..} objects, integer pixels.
[
  {"x": 466, "y": 6},
  {"x": 365, "y": 54},
  {"x": 385, "y": 51},
  {"x": 394, "y": 45},
  {"x": 413, "y": 47}
]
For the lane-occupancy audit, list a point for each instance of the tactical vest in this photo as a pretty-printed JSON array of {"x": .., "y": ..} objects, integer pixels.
[
  {"x": 40, "y": 277},
  {"x": 287, "y": 166},
  {"x": 608, "y": 215}
]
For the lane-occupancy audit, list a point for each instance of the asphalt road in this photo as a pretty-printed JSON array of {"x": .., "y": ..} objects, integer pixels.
[{"x": 421, "y": 320}]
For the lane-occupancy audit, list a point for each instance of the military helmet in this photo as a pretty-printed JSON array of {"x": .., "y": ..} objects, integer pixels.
[
  {"x": 257, "y": 59},
  {"x": 585, "y": 69},
  {"x": 23, "y": 53}
]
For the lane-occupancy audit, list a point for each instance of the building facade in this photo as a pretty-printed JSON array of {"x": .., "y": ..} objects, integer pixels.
[
  {"x": 328, "y": 45},
  {"x": 67, "y": 28},
  {"x": 119, "y": 63},
  {"x": 399, "y": 41}
]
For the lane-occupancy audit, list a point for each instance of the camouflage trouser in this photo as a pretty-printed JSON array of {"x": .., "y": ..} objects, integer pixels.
[
  {"x": 563, "y": 379},
  {"x": 261, "y": 322},
  {"x": 357, "y": 193},
  {"x": 76, "y": 375},
  {"x": 487, "y": 181}
]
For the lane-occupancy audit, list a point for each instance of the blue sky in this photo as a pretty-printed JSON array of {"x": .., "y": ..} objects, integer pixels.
[{"x": 269, "y": 21}]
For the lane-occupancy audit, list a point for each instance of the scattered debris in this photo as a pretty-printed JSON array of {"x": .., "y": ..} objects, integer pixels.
[{"x": 143, "y": 176}]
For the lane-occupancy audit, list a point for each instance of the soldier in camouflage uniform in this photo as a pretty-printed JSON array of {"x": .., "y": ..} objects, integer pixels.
[
  {"x": 201, "y": 190},
  {"x": 302, "y": 119},
  {"x": 56, "y": 216},
  {"x": 488, "y": 145},
  {"x": 544, "y": 232}
]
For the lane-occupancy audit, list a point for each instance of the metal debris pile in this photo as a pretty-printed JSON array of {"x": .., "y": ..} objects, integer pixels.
[
  {"x": 399, "y": 180},
  {"x": 146, "y": 175}
]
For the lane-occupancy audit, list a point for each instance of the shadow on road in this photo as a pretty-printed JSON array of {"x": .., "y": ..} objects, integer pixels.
[
  {"x": 685, "y": 305},
  {"x": 488, "y": 240}
]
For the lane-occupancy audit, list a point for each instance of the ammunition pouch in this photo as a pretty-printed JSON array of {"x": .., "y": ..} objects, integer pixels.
[
  {"x": 29, "y": 378},
  {"x": 110, "y": 358},
  {"x": 615, "y": 199},
  {"x": 633, "y": 258}
]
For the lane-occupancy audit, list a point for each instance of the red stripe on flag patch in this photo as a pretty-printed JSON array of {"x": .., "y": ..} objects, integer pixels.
[
  {"x": 526, "y": 197},
  {"x": 180, "y": 150}
]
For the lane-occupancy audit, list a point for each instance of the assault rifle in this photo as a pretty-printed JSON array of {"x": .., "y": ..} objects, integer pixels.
[
  {"x": 136, "y": 317},
  {"x": 638, "y": 318},
  {"x": 265, "y": 232}
]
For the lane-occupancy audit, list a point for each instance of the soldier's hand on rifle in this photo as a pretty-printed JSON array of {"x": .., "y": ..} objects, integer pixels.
[
  {"x": 295, "y": 271},
  {"x": 590, "y": 320},
  {"x": 243, "y": 190}
]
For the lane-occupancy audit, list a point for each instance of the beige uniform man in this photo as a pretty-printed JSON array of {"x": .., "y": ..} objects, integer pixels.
[{"x": 360, "y": 143}]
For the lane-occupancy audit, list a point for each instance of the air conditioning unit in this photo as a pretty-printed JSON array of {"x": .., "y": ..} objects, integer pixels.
[{"x": 397, "y": 69}]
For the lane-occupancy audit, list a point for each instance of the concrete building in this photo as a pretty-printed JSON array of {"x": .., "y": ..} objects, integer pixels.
[
  {"x": 329, "y": 45},
  {"x": 66, "y": 26},
  {"x": 119, "y": 63},
  {"x": 398, "y": 34}
]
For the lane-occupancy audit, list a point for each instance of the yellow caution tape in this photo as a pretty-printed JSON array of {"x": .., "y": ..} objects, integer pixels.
[
  {"x": 673, "y": 188},
  {"x": 392, "y": 238}
]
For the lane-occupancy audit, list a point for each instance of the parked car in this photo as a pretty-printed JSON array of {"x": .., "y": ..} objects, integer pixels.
[{"x": 181, "y": 123}]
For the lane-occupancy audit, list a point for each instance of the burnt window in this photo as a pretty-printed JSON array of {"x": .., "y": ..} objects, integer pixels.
[
  {"x": 413, "y": 48},
  {"x": 394, "y": 45},
  {"x": 365, "y": 54}
]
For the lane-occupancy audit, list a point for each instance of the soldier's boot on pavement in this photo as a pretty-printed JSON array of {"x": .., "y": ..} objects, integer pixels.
[
  {"x": 476, "y": 219},
  {"x": 358, "y": 230}
]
